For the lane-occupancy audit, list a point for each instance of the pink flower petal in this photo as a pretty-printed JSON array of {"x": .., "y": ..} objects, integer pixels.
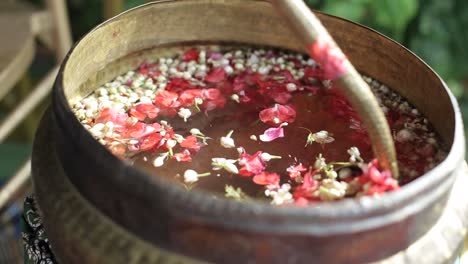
[
  {"x": 272, "y": 134},
  {"x": 215, "y": 55}
]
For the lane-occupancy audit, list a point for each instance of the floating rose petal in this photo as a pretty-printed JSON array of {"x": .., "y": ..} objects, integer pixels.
[
  {"x": 217, "y": 103},
  {"x": 266, "y": 178},
  {"x": 301, "y": 202},
  {"x": 252, "y": 164},
  {"x": 118, "y": 149},
  {"x": 139, "y": 130},
  {"x": 191, "y": 54},
  {"x": 306, "y": 191},
  {"x": 210, "y": 94},
  {"x": 112, "y": 115},
  {"x": 184, "y": 156},
  {"x": 141, "y": 111},
  {"x": 216, "y": 75},
  {"x": 166, "y": 99},
  {"x": 278, "y": 114},
  {"x": 149, "y": 142},
  {"x": 295, "y": 171},
  {"x": 215, "y": 55},
  {"x": 314, "y": 73},
  {"x": 187, "y": 97},
  {"x": 190, "y": 142},
  {"x": 178, "y": 85},
  {"x": 377, "y": 180},
  {"x": 272, "y": 133},
  {"x": 281, "y": 97}
]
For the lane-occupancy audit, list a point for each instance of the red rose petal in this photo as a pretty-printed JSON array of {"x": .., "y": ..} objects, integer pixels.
[
  {"x": 191, "y": 54},
  {"x": 190, "y": 142},
  {"x": 150, "y": 141},
  {"x": 187, "y": 97},
  {"x": 141, "y": 111},
  {"x": 216, "y": 75},
  {"x": 139, "y": 130},
  {"x": 295, "y": 171},
  {"x": 252, "y": 164},
  {"x": 178, "y": 85},
  {"x": 112, "y": 115},
  {"x": 266, "y": 178},
  {"x": 184, "y": 156},
  {"x": 278, "y": 114}
]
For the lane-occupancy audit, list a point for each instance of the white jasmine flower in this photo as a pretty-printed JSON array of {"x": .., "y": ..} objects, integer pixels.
[
  {"x": 253, "y": 137},
  {"x": 184, "y": 113},
  {"x": 227, "y": 141},
  {"x": 159, "y": 161},
  {"x": 344, "y": 173},
  {"x": 354, "y": 155},
  {"x": 291, "y": 87},
  {"x": 196, "y": 132},
  {"x": 235, "y": 98},
  {"x": 280, "y": 195},
  {"x": 332, "y": 190},
  {"x": 191, "y": 176},
  {"x": 320, "y": 162},
  {"x": 331, "y": 174},
  {"x": 198, "y": 101},
  {"x": 226, "y": 164},
  {"x": 240, "y": 150},
  {"x": 404, "y": 135},
  {"x": 267, "y": 157},
  {"x": 170, "y": 143},
  {"x": 321, "y": 137},
  {"x": 179, "y": 138}
]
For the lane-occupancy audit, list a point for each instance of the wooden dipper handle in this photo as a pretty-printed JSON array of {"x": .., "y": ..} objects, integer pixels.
[{"x": 323, "y": 49}]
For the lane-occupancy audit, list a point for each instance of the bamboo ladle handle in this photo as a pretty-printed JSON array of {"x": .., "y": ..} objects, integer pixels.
[{"x": 323, "y": 49}]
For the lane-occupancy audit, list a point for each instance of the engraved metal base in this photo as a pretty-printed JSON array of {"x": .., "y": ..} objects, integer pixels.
[{"x": 79, "y": 233}]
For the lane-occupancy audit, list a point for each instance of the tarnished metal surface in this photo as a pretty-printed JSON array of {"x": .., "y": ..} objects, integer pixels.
[{"x": 80, "y": 233}]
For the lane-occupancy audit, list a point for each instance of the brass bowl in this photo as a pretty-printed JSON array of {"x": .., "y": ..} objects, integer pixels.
[{"x": 224, "y": 231}]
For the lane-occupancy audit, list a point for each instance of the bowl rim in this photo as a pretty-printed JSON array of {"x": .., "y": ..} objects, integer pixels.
[{"x": 364, "y": 213}]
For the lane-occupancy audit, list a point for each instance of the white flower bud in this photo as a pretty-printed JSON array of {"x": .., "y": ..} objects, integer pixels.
[
  {"x": 320, "y": 163},
  {"x": 267, "y": 157},
  {"x": 159, "y": 161},
  {"x": 231, "y": 168},
  {"x": 291, "y": 87},
  {"x": 235, "y": 97},
  {"x": 354, "y": 154},
  {"x": 226, "y": 164},
  {"x": 404, "y": 135},
  {"x": 190, "y": 176},
  {"x": 195, "y": 131},
  {"x": 184, "y": 113},
  {"x": 227, "y": 141},
  {"x": 171, "y": 143}
]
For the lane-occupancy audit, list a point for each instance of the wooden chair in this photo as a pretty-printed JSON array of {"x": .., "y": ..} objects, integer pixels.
[{"x": 20, "y": 25}]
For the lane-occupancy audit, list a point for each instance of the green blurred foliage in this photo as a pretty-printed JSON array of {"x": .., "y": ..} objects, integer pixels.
[{"x": 435, "y": 30}]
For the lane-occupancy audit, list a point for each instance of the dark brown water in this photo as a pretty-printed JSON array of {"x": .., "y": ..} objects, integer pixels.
[{"x": 313, "y": 113}]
